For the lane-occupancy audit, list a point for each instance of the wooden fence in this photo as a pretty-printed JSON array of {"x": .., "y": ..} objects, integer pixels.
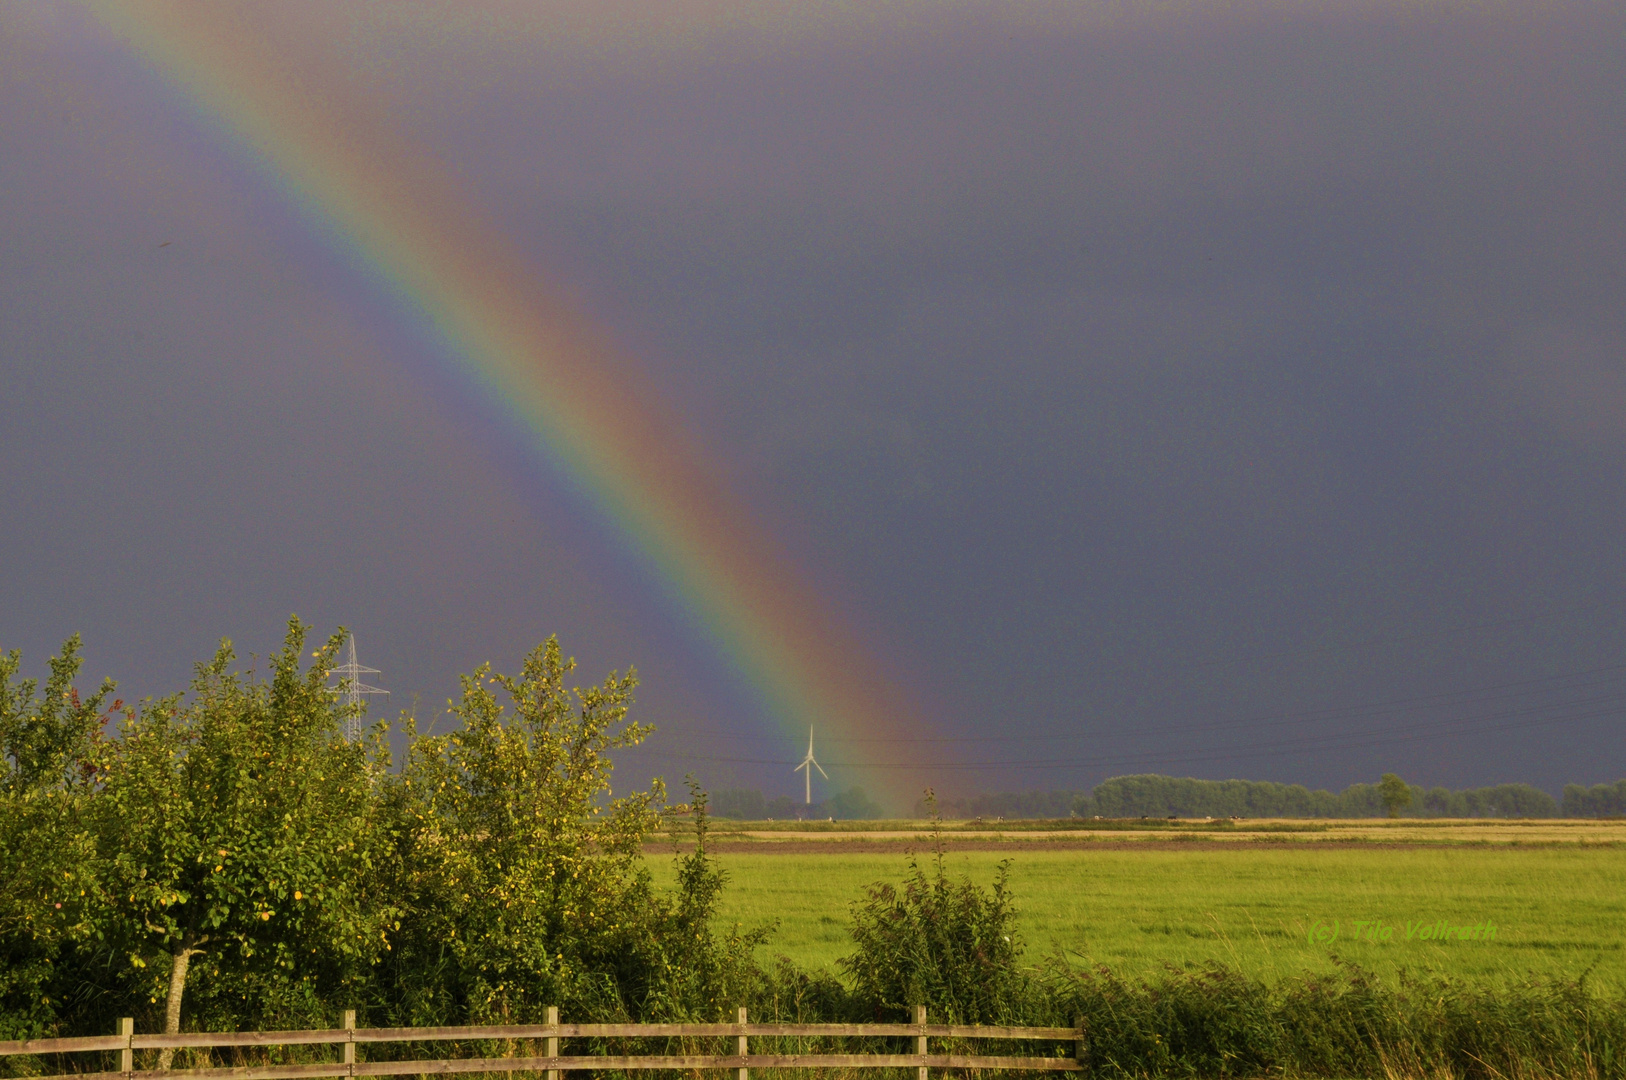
[{"x": 349, "y": 1037}]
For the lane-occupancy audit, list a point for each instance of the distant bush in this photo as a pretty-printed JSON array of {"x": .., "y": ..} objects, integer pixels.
[
  {"x": 1015, "y": 805},
  {"x": 743, "y": 804},
  {"x": 739, "y": 804},
  {"x": 854, "y": 804}
]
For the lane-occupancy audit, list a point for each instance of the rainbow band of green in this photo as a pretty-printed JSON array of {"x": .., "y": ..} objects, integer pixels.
[{"x": 387, "y": 206}]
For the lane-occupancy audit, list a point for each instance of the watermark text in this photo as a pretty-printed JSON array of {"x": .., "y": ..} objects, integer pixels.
[{"x": 1382, "y": 932}]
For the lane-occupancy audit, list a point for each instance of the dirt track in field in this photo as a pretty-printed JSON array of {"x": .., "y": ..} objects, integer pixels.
[
  {"x": 885, "y": 847},
  {"x": 1258, "y": 834}
]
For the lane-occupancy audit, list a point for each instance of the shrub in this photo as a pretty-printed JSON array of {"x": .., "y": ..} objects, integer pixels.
[{"x": 951, "y": 946}]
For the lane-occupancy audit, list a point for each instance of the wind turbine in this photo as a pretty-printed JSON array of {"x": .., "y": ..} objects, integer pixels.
[{"x": 808, "y": 760}]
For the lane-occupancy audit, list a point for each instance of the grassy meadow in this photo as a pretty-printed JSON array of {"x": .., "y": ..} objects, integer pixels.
[{"x": 1557, "y": 908}]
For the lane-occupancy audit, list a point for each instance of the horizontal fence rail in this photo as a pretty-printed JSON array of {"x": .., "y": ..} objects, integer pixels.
[{"x": 348, "y": 1037}]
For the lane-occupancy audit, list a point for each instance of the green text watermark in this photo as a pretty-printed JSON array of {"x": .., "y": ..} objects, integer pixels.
[{"x": 1379, "y": 932}]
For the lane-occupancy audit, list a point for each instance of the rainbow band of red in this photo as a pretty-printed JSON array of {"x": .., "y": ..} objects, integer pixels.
[{"x": 387, "y": 207}]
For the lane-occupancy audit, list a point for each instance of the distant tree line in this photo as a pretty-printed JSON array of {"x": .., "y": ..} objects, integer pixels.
[
  {"x": 1601, "y": 800},
  {"x": 1152, "y": 795},
  {"x": 747, "y": 804}
]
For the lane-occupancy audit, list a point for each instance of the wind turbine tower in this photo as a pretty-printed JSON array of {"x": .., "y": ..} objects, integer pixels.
[
  {"x": 803, "y": 768},
  {"x": 351, "y": 688}
]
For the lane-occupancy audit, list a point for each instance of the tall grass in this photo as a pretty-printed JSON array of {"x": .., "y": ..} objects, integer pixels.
[{"x": 1217, "y": 1022}]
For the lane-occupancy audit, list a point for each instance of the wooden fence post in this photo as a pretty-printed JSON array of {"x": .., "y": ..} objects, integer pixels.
[
  {"x": 920, "y": 1040},
  {"x": 127, "y": 1055},
  {"x": 744, "y": 1073},
  {"x": 553, "y": 1039},
  {"x": 350, "y": 1043},
  {"x": 1078, "y": 1043}
]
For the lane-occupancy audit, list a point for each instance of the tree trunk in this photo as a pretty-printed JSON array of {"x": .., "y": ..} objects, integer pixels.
[{"x": 184, "y": 949}]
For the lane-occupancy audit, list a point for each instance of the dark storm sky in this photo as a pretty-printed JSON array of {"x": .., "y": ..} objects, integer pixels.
[{"x": 1220, "y": 391}]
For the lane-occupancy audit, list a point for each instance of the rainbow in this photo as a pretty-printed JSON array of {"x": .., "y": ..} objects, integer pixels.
[{"x": 387, "y": 207}]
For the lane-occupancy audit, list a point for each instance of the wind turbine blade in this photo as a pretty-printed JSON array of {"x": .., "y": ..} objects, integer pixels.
[{"x": 819, "y": 767}]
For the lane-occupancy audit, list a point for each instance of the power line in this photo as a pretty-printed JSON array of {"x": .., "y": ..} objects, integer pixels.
[
  {"x": 1608, "y": 705},
  {"x": 1438, "y": 699},
  {"x": 1400, "y": 639}
]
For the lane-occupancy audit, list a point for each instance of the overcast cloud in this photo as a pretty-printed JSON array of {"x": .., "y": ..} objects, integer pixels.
[{"x": 1217, "y": 391}]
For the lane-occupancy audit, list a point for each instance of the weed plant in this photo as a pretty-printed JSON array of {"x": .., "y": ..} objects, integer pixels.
[{"x": 933, "y": 940}]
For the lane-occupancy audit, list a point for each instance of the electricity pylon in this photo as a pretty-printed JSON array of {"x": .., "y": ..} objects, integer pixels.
[{"x": 351, "y": 688}]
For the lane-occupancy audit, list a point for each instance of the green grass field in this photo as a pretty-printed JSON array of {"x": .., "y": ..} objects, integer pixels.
[{"x": 1558, "y": 910}]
